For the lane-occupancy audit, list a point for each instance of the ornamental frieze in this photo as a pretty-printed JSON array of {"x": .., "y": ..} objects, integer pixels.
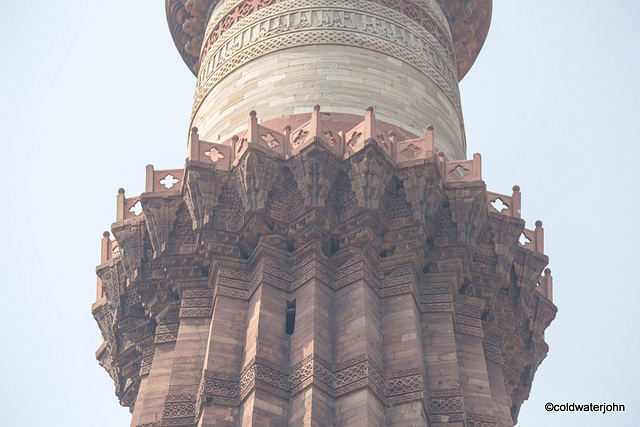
[
  {"x": 469, "y": 21},
  {"x": 417, "y": 13}
]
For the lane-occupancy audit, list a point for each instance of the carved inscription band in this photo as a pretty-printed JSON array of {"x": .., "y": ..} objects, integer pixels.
[
  {"x": 349, "y": 15},
  {"x": 419, "y": 12}
]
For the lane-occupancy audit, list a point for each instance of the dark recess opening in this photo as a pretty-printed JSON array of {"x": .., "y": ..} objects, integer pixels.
[{"x": 291, "y": 316}]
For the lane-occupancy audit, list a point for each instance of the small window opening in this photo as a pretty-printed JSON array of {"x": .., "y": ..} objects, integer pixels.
[{"x": 291, "y": 316}]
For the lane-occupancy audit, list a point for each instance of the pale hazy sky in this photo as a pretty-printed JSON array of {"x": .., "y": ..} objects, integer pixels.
[{"x": 91, "y": 92}]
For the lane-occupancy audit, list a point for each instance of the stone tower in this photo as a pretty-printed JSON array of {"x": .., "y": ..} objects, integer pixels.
[{"x": 327, "y": 256}]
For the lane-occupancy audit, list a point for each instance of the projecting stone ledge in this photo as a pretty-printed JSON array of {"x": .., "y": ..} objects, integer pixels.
[{"x": 297, "y": 278}]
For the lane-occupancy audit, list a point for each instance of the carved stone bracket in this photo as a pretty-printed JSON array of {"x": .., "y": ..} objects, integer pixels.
[
  {"x": 315, "y": 170},
  {"x": 370, "y": 173},
  {"x": 424, "y": 189},
  {"x": 130, "y": 239},
  {"x": 468, "y": 211},
  {"x": 255, "y": 175},
  {"x": 200, "y": 195},
  {"x": 160, "y": 216}
]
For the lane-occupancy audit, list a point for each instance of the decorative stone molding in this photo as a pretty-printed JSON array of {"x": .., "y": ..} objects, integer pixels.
[
  {"x": 446, "y": 405},
  {"x": 147, "y": 360},
  {"x": 312, "y": 370},
  {"x": 404, "y": 386},
  {"x": 261, "y": 373},
  {"x": 436, "y": 292},
  {"x": 220, "y": 388},
  {"x": 179, "y": 410},
  {"x": 196, "y": 303},
  {"x": 168, "y": 323}
]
